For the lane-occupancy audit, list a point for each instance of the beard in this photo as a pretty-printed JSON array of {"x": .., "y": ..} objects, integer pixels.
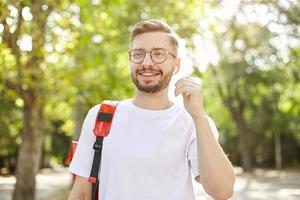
[{"x": 162, "y": 84}]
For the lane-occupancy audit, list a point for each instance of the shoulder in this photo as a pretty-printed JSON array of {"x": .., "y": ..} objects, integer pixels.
[
  {"x": 187, "y": 119},
  {"x": 183, "y": 113},
  {"x": 94, "y": 108}
]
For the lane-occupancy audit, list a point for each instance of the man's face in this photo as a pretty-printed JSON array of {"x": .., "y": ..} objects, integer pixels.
[{"x": 149, "y": 76}]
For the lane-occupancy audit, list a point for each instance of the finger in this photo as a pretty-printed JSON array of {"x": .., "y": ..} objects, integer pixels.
[
  {"x": 185, "y": 90},
  {"x": 188, "y": 86},
  {"x": 183, "y": 80},
  {"x": 193, "y": 81},
  {"x": 187, "y": 82}
]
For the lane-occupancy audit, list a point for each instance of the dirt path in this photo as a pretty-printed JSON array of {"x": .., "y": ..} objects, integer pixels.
[
  {"x": 261, "y": 185},
  {"x": 51, "y": 185}
]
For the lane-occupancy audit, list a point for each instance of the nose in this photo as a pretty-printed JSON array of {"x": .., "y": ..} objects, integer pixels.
[{"x": 147, "y": 60}]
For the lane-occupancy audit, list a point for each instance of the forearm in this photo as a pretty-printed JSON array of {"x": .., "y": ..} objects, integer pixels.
[
  {"x": 216, "y": 172},
  {"x": 81, "y": 189}
]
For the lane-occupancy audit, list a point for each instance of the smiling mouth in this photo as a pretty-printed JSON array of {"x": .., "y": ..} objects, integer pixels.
[{"x": 148, "y": 74}]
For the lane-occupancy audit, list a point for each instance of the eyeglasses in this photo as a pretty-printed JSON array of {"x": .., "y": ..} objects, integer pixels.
[{"x": 158, "y": 56}]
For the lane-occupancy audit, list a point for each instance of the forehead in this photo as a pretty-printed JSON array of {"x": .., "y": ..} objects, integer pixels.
[{"x": 151, "y": 40}]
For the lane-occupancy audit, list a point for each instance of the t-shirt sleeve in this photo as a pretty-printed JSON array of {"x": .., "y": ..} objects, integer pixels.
[
  {"x": 83, "y": 157},
  {"x": 192, "y": 146}
]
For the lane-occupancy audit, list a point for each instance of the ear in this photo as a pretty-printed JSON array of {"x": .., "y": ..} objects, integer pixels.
[{"x": 177, "y": 65}]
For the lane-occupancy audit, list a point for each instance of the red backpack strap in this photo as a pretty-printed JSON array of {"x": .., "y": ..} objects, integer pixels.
[
  {"x": 104, "y": 118},
  {"x": 71, "y": 152},
  {"x": 101, "y": 129}
]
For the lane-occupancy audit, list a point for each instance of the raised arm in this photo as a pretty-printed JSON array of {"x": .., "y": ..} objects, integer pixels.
[{"x": 217, "y": 175}]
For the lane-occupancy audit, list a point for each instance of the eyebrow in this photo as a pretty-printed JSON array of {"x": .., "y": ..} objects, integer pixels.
[
  {"x": 158, "y": 48},
  {"x": 139, "y": 49}
]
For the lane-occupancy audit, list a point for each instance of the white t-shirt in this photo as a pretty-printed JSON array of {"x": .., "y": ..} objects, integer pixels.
[{"x": 148, "y": 155}]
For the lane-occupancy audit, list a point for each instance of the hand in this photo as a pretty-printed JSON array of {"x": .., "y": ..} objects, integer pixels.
[{"x": 191, "y": 90}]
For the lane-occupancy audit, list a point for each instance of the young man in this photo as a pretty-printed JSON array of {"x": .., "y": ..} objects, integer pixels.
[{"x": 154, "y": 144}]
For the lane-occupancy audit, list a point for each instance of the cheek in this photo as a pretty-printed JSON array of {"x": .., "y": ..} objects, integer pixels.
[
  {"x": 170, "y": 66},
  {"x": 133, "y": 67}
]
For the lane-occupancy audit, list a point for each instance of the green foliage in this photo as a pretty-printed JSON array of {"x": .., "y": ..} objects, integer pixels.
[
  {"x": 10, "y": 127},
  {"x": 255, "y": 78},
  {"x": 86, "y": 58}
]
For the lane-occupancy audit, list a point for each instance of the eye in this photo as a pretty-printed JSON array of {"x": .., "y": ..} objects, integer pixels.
[
  {"x": 158, "y": 53},
  {"x": 137, "y": 54}
]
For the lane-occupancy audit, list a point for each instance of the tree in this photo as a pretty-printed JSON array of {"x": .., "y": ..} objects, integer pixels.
[
  {"x": 28, "y": 84},
  {"x": 252, "y": 74},
  {"x": 91, "y": 66}
]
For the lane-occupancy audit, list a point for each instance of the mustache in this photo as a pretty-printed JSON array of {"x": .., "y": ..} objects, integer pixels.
[{"x": 149, "y": 70}]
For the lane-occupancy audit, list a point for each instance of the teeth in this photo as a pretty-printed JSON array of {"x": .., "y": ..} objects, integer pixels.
[{"x": 148, "y": 74}]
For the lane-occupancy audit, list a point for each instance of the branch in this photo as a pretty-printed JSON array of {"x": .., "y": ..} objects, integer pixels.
[
  {"x": 13, "y": 86},
  {"x": 16, "y": 35},
  {"x": 10, "y": 39},
  {"x": 10, "y": 85}
]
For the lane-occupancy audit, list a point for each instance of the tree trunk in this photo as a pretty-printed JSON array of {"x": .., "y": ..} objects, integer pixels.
[
  {"x": 244, "y": 142},
  {"x": 277, "y": 144},
  {"x": 236, "y": 110},
  {"x": 78, "y": 116},
  {"x": 243, "y": 134},
  {"x": 30, "y": 151}
]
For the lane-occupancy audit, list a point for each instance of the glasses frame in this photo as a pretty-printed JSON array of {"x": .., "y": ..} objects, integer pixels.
[{"x": 150, "y": 52}]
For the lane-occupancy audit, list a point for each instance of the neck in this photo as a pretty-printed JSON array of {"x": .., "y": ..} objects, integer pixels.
[{"x": 153, "y": 101}]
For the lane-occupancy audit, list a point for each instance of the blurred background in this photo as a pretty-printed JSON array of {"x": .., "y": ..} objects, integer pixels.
[{"x": 58, "y": 58}]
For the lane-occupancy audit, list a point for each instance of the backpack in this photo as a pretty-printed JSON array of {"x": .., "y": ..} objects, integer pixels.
[{"x": 101, "y": 129}]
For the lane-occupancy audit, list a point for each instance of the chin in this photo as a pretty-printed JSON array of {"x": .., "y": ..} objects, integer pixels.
[{"x": 158, "y": 86}]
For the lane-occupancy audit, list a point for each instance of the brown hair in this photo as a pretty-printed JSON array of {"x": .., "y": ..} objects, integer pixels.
[{"x": 155, "y": 25}]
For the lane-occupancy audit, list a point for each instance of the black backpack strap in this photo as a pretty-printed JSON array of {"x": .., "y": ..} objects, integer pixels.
[
  {"x": 96, "y": 165},
  {"x": 102, "y": 127}
]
